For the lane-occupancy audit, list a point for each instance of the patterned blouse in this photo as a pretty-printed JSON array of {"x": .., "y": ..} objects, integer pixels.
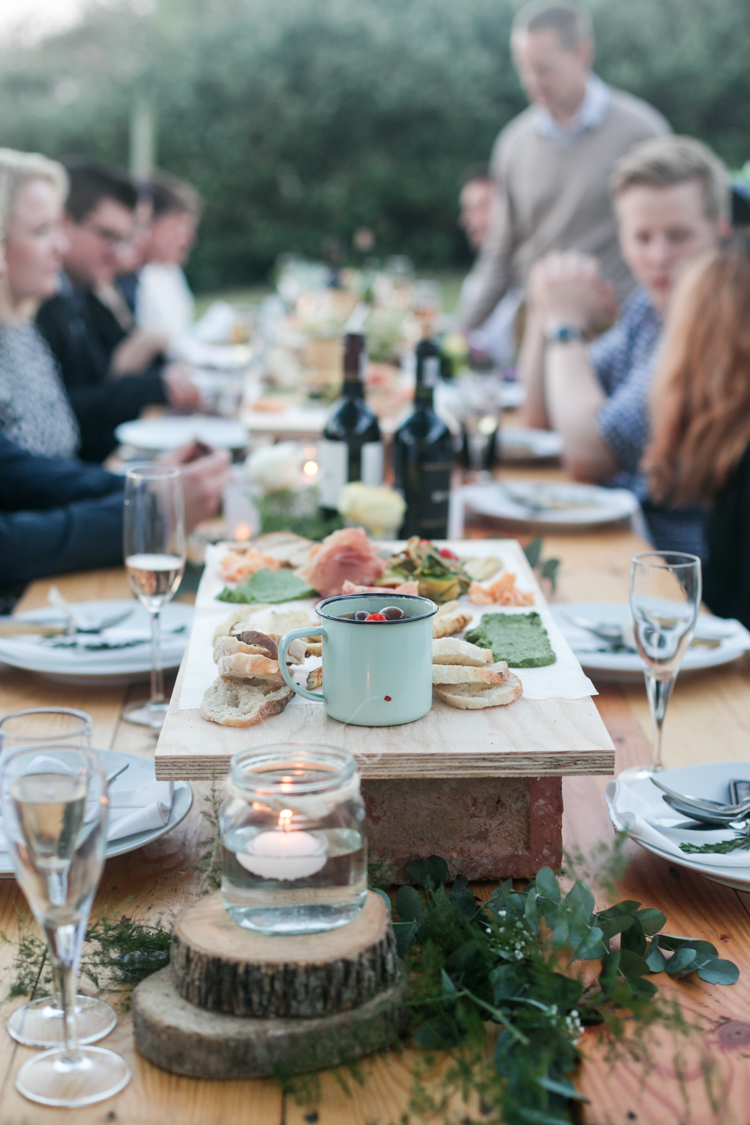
[{"x": 34, "y": 408}]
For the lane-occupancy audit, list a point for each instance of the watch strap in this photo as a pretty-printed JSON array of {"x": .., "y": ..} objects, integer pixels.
[{"x": 563, "y": 334}]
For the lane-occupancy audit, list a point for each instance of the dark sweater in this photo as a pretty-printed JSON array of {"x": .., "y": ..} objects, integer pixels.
[
  {"x": 726, "y": 578},
  {"x": 55, "y": 516},
  {"x": 83, "y": 333}
]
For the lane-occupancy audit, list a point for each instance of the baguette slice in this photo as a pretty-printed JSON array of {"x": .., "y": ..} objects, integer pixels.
[
  {"x": 315, "y": 679},
  {"x": 233, "y": 704},
  {"x": 461, "y": 674},
  {"x": 473, "y": 697},
  {"x": 444, "y": 625},
  {"x": 244, "y": 667},
  {"x": 450, "y": 650}
]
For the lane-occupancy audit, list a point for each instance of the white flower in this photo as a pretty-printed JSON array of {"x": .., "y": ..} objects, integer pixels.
[
  {"x": 275, "y": 466},
  {"x": 380, "y": 510}
]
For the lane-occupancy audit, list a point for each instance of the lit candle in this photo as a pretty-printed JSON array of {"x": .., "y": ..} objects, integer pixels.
[{"x": 284, "y": 854}]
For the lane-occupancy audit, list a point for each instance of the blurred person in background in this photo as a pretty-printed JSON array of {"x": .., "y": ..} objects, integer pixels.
[
  {"x": 551, "y": 165},
  {"x": 700, "y": 417},
  {"x": 164, "y": 303},
  {"x": 109, "y": 372},
  {"x": 672, "y": 200},
  {"x": 133, "y": 257},
  {"x": 34, "y": 408}
]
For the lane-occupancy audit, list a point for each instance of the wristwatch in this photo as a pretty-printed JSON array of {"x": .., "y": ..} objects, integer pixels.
[{"x": 563, "y": 334}]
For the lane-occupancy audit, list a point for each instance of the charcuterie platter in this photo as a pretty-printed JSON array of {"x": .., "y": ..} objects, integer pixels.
[{"x": 553, "y": 728}]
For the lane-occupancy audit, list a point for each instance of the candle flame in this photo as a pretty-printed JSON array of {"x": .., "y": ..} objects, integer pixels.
[
  {"x": 310, "y": 468},
  {"x": 285, "y": 819},
  {"x": 242, "y": 532}
]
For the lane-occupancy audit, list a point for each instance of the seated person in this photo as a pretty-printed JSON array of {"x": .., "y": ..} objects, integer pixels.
[
  {"x": 700, "y": 417},
  {"x": 59, "y": 515},
  {"x": 34, "y": 408},
  {"x": 671, "y": 198},
  {"x": 84, "y": 332},
  {"x": 164, "y": 302}
]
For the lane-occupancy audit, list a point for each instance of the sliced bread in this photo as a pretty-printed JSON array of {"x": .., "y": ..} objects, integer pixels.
[
  {"x": 244, "y": 667},
  {"x": 235, "y": 704},
  {"x": 446, "y": 624},
  {"x": 450, "y": 650},
  {"x": 463, "y": 674},
  {"x": 473, "y": 697}
]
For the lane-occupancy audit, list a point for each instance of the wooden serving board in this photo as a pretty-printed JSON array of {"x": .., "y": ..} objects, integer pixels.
[{"x": 529, "y": 738}]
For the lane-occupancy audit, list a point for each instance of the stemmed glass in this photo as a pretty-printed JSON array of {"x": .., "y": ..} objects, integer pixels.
[
  {"x": 478, "y": 408},
  {"x": 54, "y": 807},
  {"x": 41, "y": 1023},
  {"x": 154, "y": 548},
  {"x": 665, "y": 596}
]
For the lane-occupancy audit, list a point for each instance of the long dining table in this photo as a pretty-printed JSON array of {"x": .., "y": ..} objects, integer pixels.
[{"x": 701, "y": 1080}]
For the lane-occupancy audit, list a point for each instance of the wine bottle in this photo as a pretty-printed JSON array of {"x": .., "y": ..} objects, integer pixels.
[
  {"x": 352, "y": 448},
  {"x": 423, "y": 455}
]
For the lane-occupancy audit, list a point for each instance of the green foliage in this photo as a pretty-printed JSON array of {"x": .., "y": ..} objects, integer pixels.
[
  {"x": 740, "y": 842},
  {"x": 547, "y": 568},
  {"x": 267, "y": 586},
  {"x": 209, "y": 863},
  {"x": 302, "y": 121},
  {"x": 297, "y": 511}
]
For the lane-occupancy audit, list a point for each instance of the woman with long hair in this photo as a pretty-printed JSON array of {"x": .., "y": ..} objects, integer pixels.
[{"x": 700, "y": 416}]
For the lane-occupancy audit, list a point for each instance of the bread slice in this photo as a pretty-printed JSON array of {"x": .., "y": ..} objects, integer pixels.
[
  {"x": 449, "y": 650},
  {"x": 473, "y": 697},
  {"x": 460, "y": 674},
  {"x": 236, "y": 617},
  {"x": 445, "y": 624},
  {"x": 244, "y": 667},
  {"x": 243, "y": 704},
  {"x": 270, "y": 620},
  {"x": 315, "y": 679}
]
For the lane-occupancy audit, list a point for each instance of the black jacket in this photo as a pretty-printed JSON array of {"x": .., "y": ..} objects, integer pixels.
[
  {"x": 83, "y": 333},
  {"x": 55, "y": 516},
  {"x": 726, "y": 580}
]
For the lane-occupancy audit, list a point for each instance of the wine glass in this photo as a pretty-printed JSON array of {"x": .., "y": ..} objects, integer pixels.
[
  {"x": 478, "y": 408},
  {"x": 665, "y": 596},
  {"x": 41, "y": 1023},
  {"x": 54, "y": 808},
  {"x": 154, "y": 548}
]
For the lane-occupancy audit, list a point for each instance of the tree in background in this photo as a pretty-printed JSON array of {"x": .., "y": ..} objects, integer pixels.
[{"x": 302, "y": 120}]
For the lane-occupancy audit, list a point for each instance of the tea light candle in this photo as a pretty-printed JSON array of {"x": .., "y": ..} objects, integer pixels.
[{"x": 285, "y": 854}]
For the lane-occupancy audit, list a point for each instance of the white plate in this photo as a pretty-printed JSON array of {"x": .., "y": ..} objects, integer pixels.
[
  {"x": 158, "y": 435},
  {"x": 141, "y": 772},
  {"x": 110, "y": 667},
  {"x": 518, "y": 444},
  {"x": 626, "y": 666},
  {"x": 711, "y": 780},
  {"x": 512, "y": 394},
  {"x": 554, "y": 504}
]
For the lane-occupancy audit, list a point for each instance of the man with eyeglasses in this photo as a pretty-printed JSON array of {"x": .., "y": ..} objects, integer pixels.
[{"x": 88, "y": 324}]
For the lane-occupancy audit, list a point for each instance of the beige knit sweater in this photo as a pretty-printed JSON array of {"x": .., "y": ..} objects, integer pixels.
[{"x": 554, "y": 197}]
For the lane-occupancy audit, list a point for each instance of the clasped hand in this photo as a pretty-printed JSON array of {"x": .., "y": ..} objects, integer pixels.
[{"x": 567, "y": 288}]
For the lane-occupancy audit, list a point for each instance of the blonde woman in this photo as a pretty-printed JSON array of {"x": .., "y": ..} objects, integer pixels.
[
  {"x": 34, "y": 409},
  {"x": 700, "y": 416}
]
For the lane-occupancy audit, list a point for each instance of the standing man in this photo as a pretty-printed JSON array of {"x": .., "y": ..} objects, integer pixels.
[{"x": 551, "y": 164}]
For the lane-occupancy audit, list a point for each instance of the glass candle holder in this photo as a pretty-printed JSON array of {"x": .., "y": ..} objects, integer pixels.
[{"x": 293, "y": 839}]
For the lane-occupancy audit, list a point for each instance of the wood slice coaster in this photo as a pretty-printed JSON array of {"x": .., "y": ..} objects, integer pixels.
[
  {"x": 183, "y": 1039},
  {"x": 220, "y": 967}
]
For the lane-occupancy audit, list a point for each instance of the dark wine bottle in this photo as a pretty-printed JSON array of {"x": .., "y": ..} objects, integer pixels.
[
  {"x": 352, "y": 448},
  {"x": 423, "y": 455}
]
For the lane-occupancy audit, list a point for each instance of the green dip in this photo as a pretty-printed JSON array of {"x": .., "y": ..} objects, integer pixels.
[{"x": 518, "y": 638}]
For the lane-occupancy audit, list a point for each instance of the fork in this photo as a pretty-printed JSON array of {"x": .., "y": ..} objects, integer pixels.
[
  {"x": 55, "y": 598},
  {"x": 717, "y": 808}
]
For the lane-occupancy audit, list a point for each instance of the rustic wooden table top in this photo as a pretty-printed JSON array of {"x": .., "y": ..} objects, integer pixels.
[{"x": 708, "y": 719}]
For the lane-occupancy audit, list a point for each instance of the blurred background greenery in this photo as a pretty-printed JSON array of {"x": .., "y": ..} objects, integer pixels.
[{"x": 302, "y": 120}]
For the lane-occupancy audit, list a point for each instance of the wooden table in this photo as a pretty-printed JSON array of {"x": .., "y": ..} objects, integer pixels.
[{"x": 709, "y": 718}]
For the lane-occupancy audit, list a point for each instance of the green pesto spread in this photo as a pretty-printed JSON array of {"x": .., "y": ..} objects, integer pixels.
[{"x": 518, "y": 638}]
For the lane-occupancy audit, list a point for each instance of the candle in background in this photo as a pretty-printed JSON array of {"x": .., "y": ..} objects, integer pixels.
[
  {"x": 241, "y": 520},
  {"x": 283, "y": 853}
]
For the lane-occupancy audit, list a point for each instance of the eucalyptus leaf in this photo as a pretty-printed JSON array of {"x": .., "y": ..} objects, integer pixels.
[
  {"x": 563, "y": 1088},
  {"x": 655, "y": 959},
  {"x": 651, "y": 920},
  {"x": 432, "y": 871},
  {"x": 633, "y": 938},
  {"x": 609, "y": 974},
  {"x": 404, "y": 932},
  {"x": 580, "y": 900},
  {"x": 533, "y": 552},
  {"x": 384, "y": 896},
  {"x": 440, "y": 1033},
  {"x": 539, "y": 1117},
  {"x": 631, "y": 964},
  {"x": 719, "y": 972},
  {"x": 612, "y": 926},
  {"x": 680, "y": 960},
  {"x": 410, "y": 905},
  {"x": 547, "y": 884}
]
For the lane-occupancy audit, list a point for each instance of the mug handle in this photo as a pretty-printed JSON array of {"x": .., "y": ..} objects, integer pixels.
[{"x": 286, "y": 640}]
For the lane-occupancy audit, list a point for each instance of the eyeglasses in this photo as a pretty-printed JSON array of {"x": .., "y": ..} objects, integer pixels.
[{"x": 114, "y": 240}]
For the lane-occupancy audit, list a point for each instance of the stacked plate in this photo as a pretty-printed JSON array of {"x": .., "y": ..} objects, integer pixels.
[
  {"x": 640, "y": 810},
  {"x": 518, "y": 444},
  {"x": 159, "y": 435},
  {"x": 551, "y": 504}
]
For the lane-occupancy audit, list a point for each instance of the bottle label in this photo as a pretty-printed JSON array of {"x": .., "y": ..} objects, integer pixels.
[
  {"x": 427, "y": 501},
  {"x": 333, "y": 462},
  {"x": 372, "y": 462},
  {"x": 431, "y": 371}
]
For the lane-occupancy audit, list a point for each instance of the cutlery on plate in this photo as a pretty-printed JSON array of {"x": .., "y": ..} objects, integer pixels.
[
  {"x": 111, "y": 777},
  {"x": 615, "y": 635},
  {"x": 688, "y": 804},
  {"x": 88, "y": 623}
]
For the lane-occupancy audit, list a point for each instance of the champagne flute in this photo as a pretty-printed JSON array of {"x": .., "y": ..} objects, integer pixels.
[
  {"x": 41, "y": 1023},
  {"x": 154, "y": 548},
  {"x": 54, "y": 807},
  {"x": 665, "y": 596}
]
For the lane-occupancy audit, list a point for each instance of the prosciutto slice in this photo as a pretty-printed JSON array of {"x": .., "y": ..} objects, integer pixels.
[
  {"x": 410, "y": 587},
  {"x": 344, "y": 555}
]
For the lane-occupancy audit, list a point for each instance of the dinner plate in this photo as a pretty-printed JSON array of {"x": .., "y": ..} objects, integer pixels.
[
  {"x": 159, "y": 435},
  {"x": 733, "y": 638},
  {"x": 711, "y": 781},
  {"x": 519, "y": 444},
  {"x": 551, "y": 504},
  {"x": 101, "y": 667},
  {"x": 140, "y": 772}
]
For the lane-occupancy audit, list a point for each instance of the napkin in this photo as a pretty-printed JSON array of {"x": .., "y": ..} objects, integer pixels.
[{"x": 652, "y": 821}]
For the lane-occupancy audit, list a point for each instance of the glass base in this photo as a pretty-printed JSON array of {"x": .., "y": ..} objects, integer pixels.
[
  {"x": 57, "y": 1078},
  {"x": 638, "y": 773},
  {"x": 289, "y": 920},
  {"x": 146, "y": 714},
  {"x": 40, "y": 1023}
]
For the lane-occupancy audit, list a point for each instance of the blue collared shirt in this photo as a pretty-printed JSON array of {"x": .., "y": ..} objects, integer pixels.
[{"x": 591, "y": 114}]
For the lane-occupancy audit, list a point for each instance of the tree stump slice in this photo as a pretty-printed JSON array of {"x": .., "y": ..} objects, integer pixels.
[
  {"x": 178, "y": 1037},
  {"x": 220, "y": 967}
]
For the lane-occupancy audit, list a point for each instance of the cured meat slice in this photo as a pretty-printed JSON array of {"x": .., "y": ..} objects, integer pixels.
[
  {"x": 345, "y": 554},
  {"x": 410, "y": 587}
]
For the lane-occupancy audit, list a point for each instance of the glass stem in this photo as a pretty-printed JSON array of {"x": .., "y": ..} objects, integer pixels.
[
  {"x": 62, "y": 943},
  {"x": 659, "y": 693},
  {"x": 157, "y": 677}
]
